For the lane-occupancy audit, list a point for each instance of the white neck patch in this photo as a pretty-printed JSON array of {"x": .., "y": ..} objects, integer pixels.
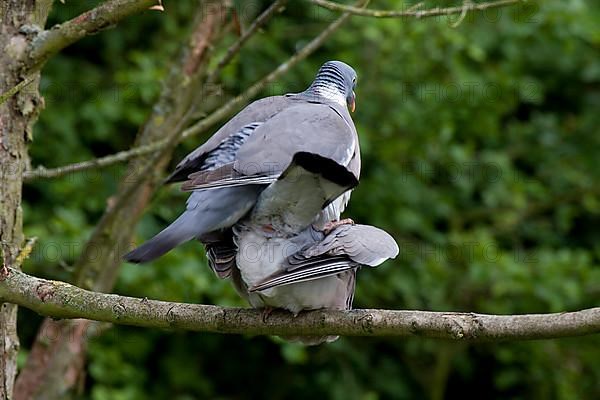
[{"x": 330, "y": 93}]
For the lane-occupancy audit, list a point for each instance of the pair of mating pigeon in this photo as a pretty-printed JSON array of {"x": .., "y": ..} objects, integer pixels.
[{"x": 267, "y": 193}]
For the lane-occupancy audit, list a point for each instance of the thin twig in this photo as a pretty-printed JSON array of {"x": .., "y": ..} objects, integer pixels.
[
  {"x": 42, "y": 172},
  {"x": 260, "y": 21},
  {"x": 61, "y": 300},
  {"x": 412, "y": 12},
  {"x": 465, "y": 9},
  {"x": 170, "y": 114}
]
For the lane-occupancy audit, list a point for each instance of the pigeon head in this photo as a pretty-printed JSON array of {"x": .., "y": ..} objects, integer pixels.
[{"x": 335, "y": 81}]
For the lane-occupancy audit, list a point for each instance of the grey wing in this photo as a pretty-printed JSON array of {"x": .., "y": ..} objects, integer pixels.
[
  {"x": 325, "y": 130},
  {"x": 256, "y": 112},
  {"x": 226, "y": 151},
  {"x": 345, "y": 248},
  {"x": 315, "y": 268},
  {"x": 220, "y": 155},
  {"x": 313, "y": 128},
  {"x": 292, "y": 199},
  {"x": 208, "y": 213},
  {"x": 261, "y": 156},
  {"x": 365, "y": 244},
  {"x": 225, "y": 176},
  {"x": 213, "y": 211}
]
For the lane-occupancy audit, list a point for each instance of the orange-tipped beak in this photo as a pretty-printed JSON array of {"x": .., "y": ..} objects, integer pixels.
[{"x": 353, "y": 102}]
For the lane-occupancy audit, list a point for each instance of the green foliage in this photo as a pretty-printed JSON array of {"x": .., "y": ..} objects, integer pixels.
[{"x": 480, "y": 146}]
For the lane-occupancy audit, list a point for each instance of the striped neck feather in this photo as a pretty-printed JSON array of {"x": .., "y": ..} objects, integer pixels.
[{"x": 328, "y": 84}]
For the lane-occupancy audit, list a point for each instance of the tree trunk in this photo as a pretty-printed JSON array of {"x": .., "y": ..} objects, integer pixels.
[
  {"x": 52, "y": 371},
  {"x": 18, "y": 18}
]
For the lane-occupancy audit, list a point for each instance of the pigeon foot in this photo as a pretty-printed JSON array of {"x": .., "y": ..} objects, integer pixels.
[
  {"x": 266, "y": 313},
  {"x": 329, "y": 226}
]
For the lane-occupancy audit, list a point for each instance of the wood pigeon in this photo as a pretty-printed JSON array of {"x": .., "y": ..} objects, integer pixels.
[{"x": 228, "y": 173}]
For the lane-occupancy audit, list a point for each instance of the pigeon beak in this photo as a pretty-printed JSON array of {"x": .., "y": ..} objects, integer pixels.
[{"x": 352, "y": 102}]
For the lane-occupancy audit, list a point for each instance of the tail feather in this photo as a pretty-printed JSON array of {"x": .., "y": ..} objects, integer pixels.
[
  {"x": 167, "y": 239},
  {"x": 207, "y": 211}
]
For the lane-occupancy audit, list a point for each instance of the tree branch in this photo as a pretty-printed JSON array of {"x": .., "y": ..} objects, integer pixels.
[
  {"x": 107, "y": 14},
  {"x": 262, "y": 19},
  {"x": 413, "y": 11},
  {"x": 200, "y": 126},
  {"x": 122, "y": 156},
  {"x": 61, "y": 300}
]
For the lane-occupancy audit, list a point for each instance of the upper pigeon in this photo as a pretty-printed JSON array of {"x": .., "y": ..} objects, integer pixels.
[{"x": 228, "y": 173}]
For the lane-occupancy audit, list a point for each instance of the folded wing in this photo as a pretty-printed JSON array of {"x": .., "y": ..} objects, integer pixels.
[{"x": 345, "y": 248}]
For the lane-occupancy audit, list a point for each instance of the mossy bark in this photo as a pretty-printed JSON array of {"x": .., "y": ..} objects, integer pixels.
[
  {"x": 18, "y": 113},
  {"x": 61, "y": 300}
]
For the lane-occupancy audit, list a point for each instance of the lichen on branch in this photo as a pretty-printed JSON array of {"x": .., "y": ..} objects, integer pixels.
[{"x": 61, "y": 300}]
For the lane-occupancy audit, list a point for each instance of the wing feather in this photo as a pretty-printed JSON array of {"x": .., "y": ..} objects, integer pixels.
[{"x": 316, "y": 269}]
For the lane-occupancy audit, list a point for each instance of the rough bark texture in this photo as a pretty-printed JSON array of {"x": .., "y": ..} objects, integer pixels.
[
  {"x": 61, "y": 300},
  {"x": 49, "y": 370},
  {"x": 17, "y": 115}
]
